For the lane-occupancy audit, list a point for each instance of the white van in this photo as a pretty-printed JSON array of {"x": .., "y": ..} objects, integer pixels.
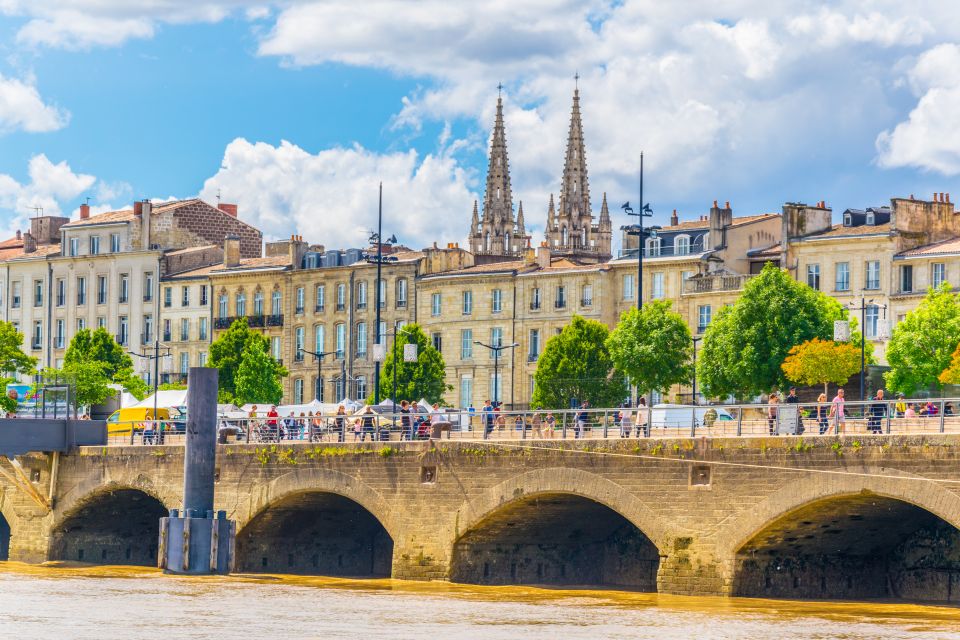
[{"x": 678, "y": 416}]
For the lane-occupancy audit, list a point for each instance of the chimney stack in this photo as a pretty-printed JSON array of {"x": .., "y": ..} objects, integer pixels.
[
  {"x": 543, "y": 256},
  {"x": 231, "y": 251},
  {"x": 84, "y": 211},
  {"x": 19, "y": 235},
  {"x": 29, "y": 243},
  {"x": 229, "y": 209},
  {"x": 674, "y": 219}
]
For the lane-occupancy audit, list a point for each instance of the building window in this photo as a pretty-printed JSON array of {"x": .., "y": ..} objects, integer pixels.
[
  {"x": 37, "y": 342},
  {"x": 382, "y": 332},
  {"x": 435, "y": 305},
  {"x": 185, "y": 296},
  {"x": 123, "y": 331},
  {"x": 341, "y": 333},
  {"x": 320, "y": 297},
  {"x": 222, "y": 311},
  {"x": 167, "y": 297},
  {"x": 301, "y": 300},
  {"x": 15, "y": 297},
  {"x": 202, "y": 359},
  {"x": 147, "y": 329},
  {"x": 241, "y": 300},
  {"x": 872, "y": 321},
  {"x": 813, "y": 276},
  {"x": 842, "y": 276},
  {"x": 81, "y": 290},
  {"x": 703, "y": 317},
  {"x": 318, "y": 389},
  {"x": 275, "y": 346},
  {"x": 101, "y": 289},
  {"x": 361, "y": 387},
  {"x": 298, "y": 391},
  {"x": 629, "y": 287},
  {"x": 437, "y": 339},
  {"x": 61, "y": 292},
  {"x": 466, "y": 391},
  {"x": 497, "y": 300},
  {"x": 114, "y": 243},
  {"x": 147, "y": 287},
  {"x": 401, "y": 293},
  {"x": 203, "y": 295},
  {"x": 101, "y": 322},
  {"x": 59, "y": 335},
  {"x": 94, "y": 245},
  {"x": 938, "y": 274},
  {"x": 38, "y": 293},
  {"x": 74, "y": 247},
  {"x": 184, "y": 330},
  {"x": 587, "y": 299},
  {"x": 341, "y": 296},
  {"x": 203, "y": 329},
  {"x": 466, "y": 344},
  {"x": 298, "y": 335},
  {"x": 166, "y": 330},
  {"x": 383, "y": 293},
  {"x": 318, "y": 338},
  {"x": 496, "y": 337},
  {"x": 124, "y": 288},
  {"x": 184, "y": 363},
  {"x": 653, "y": 247},
  {"x": 81, "y": 324},
  {"x": 362, "y": 294},
  {"x": 561, "y": 299},
  {"x": 535, "y": 298},
  {"x": 873, "y": 275},
  {"x": 656, "y": 286},
  {"x": 906, "y": 278},
  {"x": 467, "y": 302},
  {"x": 258, "y": 304},
  {"x": 534, "y": 352},
  {"x": 681, "y": 245},
  {"x": 276, "y": 303}
]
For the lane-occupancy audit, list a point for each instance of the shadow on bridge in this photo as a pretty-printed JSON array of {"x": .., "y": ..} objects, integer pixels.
[
  {"x": 315, "y": 533},
  {"x": 4, "y": 539},
  {"x": 556, "y": 539},
  {"x": 859, "y": 546},
  {"x": 118, "y": 526}
]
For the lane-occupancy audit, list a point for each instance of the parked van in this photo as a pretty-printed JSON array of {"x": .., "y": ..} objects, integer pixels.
[
  {"x": 678, "y": 416},
  {"x": 140, "y": 418}
]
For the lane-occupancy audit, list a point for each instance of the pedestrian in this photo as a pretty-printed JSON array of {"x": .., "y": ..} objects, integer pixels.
[
  {"x": 273, "y": 423},
  {"x": 642, "y": 417},
  {"x": 406, "y": 425},
  {"x": 821, "y": 410},
  {"x": 626, "y": 423},
  {"x": 518, "y": 425},
  {"x": 536, "y": 425},
  {"x": 793, "y": 399},
  {"x": 368, "y": 424},
  {"x": 487, "y": 411},
  {"x": 910, "y": 411},
  {"x": 549, "y": 426},
  {"x": 340, "y": 423},
  {"x": 878, "y": 410},
  {"x": 772, "y": 405},
  {"x": 900, "y": 407},
  {"x": 580, "y": 424},
  {"x": 838, "y": 412}
]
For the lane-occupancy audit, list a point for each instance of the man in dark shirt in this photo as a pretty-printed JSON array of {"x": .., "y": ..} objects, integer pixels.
[{"x": 793, "y": 399}]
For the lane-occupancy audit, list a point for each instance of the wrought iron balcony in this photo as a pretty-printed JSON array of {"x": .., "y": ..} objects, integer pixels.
[{"x": 275, "y": 320}]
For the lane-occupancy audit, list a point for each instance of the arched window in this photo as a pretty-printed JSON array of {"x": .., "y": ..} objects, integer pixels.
[
  {"x": 653, "y": 247},
  {"x": 241, "y": 303},
  {"x": 258, "y": 303},
  {"x": 506, "y": 242},
  {"x": 681, "y": 245},
  {"x": 498, "y": 193},
  {"x": 276, "y": 303},
  {"x": 222, "y": 306},
  {"x": 563, "y": 236}
]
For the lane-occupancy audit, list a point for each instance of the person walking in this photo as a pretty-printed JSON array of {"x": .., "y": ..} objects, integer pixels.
[
  {"x": 406, "y": 425},
  {"x": 642, "y": 418},
  {"x": 822, "y": 422},
  {"x": 536, "y": 425},
  {"x": 340, "y": 423},
  {"x": 838, "y": 411},
  {"x": 549, "y": 426},
  {"x": 626, "y": 423},
  {"x": 772, "y": 405},
  {"x": 793, "y": 399},
  {"x": 878, "y": 411},
  {"x": 580, "y": 426},
  {"x": 487, "y": 412}
]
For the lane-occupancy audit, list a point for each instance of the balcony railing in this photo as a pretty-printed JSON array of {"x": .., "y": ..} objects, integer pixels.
[
  {"x": 361, "y": 305},
  {"x": 275, "y": 320},
  {"x": 401, "y": 304},
  {"x": 299, "y": 311},
  {"x": 36, "y": 344},
  {"x": 533, "y": 357},
  {"x": 560, "y": 304},
  {"x": 166, "y": 336},
  {"x": 534, "y": 306},
  {"x": 664, "y": 251},
  {"x": 340, "y": 306},
  {"x": 586, "y": 302},
  {"x": 722, "y": 282},
  {"x": 223, "y": 323},
  {"x": 318, "y": 308}
]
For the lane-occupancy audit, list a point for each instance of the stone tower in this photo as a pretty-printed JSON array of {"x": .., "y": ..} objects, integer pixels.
[
  {"x": 496, "y": 232},
  {"x": 570, "y": 228}
]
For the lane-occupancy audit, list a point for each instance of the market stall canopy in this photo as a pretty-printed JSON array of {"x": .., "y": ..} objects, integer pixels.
[{"x": 165, "y": 399}]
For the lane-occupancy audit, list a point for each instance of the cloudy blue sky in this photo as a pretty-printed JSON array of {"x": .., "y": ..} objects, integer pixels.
[{"x": 295, "y": 110}]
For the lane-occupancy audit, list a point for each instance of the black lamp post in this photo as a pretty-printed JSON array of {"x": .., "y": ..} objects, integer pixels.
[
  {"x": 496, "y": 349},
  {"x": 696, "y": 339},
  {"x": 155, "y": 357},
  {"x": 318, "y": 356},
  {"x": 645, "y": 212},
  {"x": 864, "y": 305},
  {"x": 376, "y": 237}
]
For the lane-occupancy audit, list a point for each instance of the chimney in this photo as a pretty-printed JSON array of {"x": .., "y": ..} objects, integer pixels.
[
  {"x": 674, "y": 219},
  {"x": 529, "y": 256},
  {"x": 84, "y": 211},
  {"x": 231, "y": 251},
  {"x": 229, "y": 209},
  {"x": 142, "y": 209},
  {"x": 543, "y": 256},
  {"x": 946, "y": 197},
  {"x": 29, "y": 243},
  {"x": 137, "y": 208},
  {"x": 19, "y": 235},
  {"x": 720, "y": 220}
]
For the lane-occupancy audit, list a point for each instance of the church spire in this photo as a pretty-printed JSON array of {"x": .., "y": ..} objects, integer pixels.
[
  {"x": 575, "y": 188},
  {"x": 498, "y": 199},
  {"x": 521, "y": 232},
  {"x": 475, "y": 222},
  {"x": 604, "y": 211}
]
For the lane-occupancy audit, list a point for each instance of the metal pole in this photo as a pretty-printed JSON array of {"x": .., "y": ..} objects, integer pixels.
[
  {"x": 863, "y": 344},
  {"x": 496, "y": 362},
  {"x": 640, "y": 243},
  {"x": 395, "y": 378},
  {"x": 201, "y": 442},
  {"x": 695, "y": 340},
  {"x": 376, "y": 370},
  {"x": 156, "y": 385}
]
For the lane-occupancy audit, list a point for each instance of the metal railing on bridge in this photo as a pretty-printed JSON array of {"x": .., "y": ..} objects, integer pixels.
[{"x": 900, "y": 417}]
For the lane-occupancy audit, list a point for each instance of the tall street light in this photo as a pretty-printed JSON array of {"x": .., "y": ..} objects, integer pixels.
[
  {"x": 496, "y": 349},
  {"x": 696, "y": 339},
  {"x": 864, "y": 305},
  {"x": 318, "y": 356},
  {"x": 645, "y": 212},
  {"x": 376, "y": 237},
  {"x": 155, "y": 357}
]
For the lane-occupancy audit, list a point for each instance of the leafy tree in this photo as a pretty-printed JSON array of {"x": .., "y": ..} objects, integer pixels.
[
  {"x": 653, "y": 347},
  {"x": 258, "y": 376},
  {"x": 13, "y": 361},
  {"x": 819, "y": 361},
  {"x": 951, "y": 375},
  {"x": 172, "y": 386},
  {"x": 421, "y": 379},
  {"x": 226, "y": 354},
  {"x": 576, "y": 363},
  {"x": 921, "y": 346},
  {"x": 133, "y": 383},
  {"x": 89, "y": 377},
  {"x": 746, "y": 344},
  {"x": 99, "y": 346}
]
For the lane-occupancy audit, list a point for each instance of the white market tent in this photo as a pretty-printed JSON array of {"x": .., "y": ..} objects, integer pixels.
[
  {"x": 165, "y": 399},
  {"x": 310, "y": 407}
]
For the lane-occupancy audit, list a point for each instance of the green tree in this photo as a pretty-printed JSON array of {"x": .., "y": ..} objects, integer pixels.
[
  {"x": 13, "y": 361},
  {"x": 172, "y": 386},
  {"x": 89, "y": 377},
  {"x": 922, "y": 344},
  {"x": 576, "y": 364},
  {"x": 746, "y": 344},
  {"x": 100, "y": 346},
  {"x": 415, "y": 380},
  {"x": 258, "y": 376},
  {"x": 819, "y": 361},
  {"x": 653, "y": 347},
  {"x": 226, "y": 354}
]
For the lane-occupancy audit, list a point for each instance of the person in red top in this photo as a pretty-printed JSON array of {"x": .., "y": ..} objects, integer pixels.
[{"x": 272, "y": 421}]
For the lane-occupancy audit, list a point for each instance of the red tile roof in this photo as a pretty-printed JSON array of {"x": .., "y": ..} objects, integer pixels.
[
  {"x": 690, "y": 225},
  {"x": 103, "y": 218},
  {"x": 949, "y": 246},
  {"x": 840, "y": 231},
  {"x": 246, "y": 263}
]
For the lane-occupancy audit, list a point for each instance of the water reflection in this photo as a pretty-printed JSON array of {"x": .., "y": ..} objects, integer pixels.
[{"x": 106, "y": 603}]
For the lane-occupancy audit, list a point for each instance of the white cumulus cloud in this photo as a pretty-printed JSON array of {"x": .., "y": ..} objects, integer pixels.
[
  {"x": 50, "y": 185},
  {"x": 22, "y": 108}
]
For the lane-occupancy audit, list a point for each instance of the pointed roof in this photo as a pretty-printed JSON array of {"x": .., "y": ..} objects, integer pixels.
[
  {"x": 475, "y": 222},
  {"x": 498, "y": 198},
  {"x": 575, "y": 187},
  {"x": 604, "y": 211},
  {"x": 551, "y": 212},
  {"x": 520, "y": 230}
]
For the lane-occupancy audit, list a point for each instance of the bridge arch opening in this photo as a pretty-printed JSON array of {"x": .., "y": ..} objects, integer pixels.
[
  {"x": 861, "y": 546},
  {"x": 315, "y": 533},
  {"x": 113, "y": 527},
  {"x": 4, "y": 539},
  {"x": 556, "y": 539}
]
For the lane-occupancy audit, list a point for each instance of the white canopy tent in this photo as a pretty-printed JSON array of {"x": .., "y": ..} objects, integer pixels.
[{"x": 165, "y": 399}]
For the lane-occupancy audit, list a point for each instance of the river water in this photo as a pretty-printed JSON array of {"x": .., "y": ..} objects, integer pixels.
[{"x": 107, "y": 603}]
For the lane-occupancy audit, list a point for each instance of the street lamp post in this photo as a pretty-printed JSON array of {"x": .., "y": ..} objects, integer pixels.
[
  {"x": 864, "y": 305},
  {"x": 645, "y": 212},
  {"x": 377, "y": 237},
  {"x": 696, "y": 339},
  {"x": 496, "y": 349},
  {"x": 155, "y": 357},
  {"x": 319, "y": 358}
]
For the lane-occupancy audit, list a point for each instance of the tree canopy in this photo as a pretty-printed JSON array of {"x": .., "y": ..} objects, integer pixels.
[
  {"x": 99, "y": 346},
  {"x": 576, "y": 364},
  {"x": 819, "y": 361},
  {"x": 226, "y": 354},
  {"x": 653, "y": 346},
  {"x": 424, "y": 378},
  {"x": 13, "y": 361},
  {"x": 746, "y": 344},
  {"x": 951, "y": 375},
  {"x": 923, "y": 343},
  {"x": 89, "y": 377},
  {"x": 258, "y": 376}
]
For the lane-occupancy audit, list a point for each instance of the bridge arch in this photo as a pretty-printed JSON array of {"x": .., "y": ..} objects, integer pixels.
[
  {"x": 316, "y": 522},
  {"x": 849, "y": 536},
  {"x": 558, "y": 526}
]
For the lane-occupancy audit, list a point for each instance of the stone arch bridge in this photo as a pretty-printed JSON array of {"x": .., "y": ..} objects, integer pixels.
[{"x": 876, "y": 516}]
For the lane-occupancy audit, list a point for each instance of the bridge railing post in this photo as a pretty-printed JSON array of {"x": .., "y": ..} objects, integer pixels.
[
  {"x": 891, "y": 409},
  {"x": 693, "y": 422},
  {"x": 943, "y": 404},
  {"x": 605, "y": 424},
  {"x": 563, "y": 430},
  {"x": 740, "y": 421}
]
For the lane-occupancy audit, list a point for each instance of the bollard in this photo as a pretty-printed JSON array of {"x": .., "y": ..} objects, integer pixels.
[{"x": 198, "y": 540}]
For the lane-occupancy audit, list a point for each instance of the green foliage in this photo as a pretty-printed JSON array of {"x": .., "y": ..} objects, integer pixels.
[
  {"x": 226, "y": 354},
  {"x": 258, "y": 376},
  {"x": 172, "y": 386},
  {"x": 653, "y": 347},
  {"x": 576, "y": 363},
  {"x": 922, "y": 344},
  {"x": 12, "y": 361},
  {"x": 90, "y": 377},
  {"x": 415, "y": 380},
  {"x": 133, "y": 383},
  {"x": 99, "y": 346},
  {"x": 746, "y": 344}
]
